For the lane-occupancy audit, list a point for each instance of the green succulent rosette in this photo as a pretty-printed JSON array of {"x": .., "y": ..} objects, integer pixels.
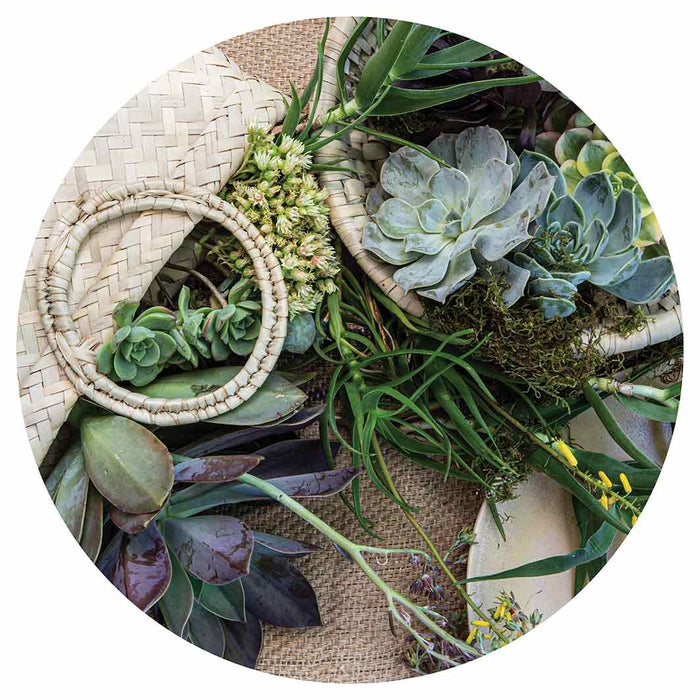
[
  {"x": 439, "y": 224},
  {"x": 140, "y": 347}
]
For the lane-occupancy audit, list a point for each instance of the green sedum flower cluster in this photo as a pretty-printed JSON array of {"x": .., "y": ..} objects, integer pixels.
[{"x": 278, "y": 194}]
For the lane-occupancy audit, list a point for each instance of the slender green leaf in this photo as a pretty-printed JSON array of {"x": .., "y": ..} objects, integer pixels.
[
  {"x": 648, "y": 409},
  {"x": 291, "y": 119}
]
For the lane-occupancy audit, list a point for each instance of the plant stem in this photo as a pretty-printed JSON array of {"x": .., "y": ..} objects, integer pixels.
[
  {"x": 209, "y": 284},
  {"x": 641, "y": 391},
  {"x": 354, "y": 552},
  {"x": 424, "y": 535}
]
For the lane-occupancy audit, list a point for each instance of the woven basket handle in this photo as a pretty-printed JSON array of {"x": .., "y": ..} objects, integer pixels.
[{"x": 76, "y": 354}]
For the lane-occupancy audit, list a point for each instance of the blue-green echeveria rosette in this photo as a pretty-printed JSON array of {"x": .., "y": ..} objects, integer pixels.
[
  {"x": 590, "y": 235},
  {"x": 440, "y": 224},
  {"x": 140, "y": 347}
]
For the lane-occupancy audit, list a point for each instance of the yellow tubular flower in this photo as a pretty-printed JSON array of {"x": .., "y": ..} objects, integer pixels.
[
  {"x": 471, "y": 636},
  {"x": 481, "y": 623},
  {"x": 605, "y": 479},
  {"x": 625, "y": 483},
  {"x": 566, "y": 452},
  {"x": 604, "y": 501},
  {"x": 634, "y": 519},
  {"x": 487, "y": 636}
]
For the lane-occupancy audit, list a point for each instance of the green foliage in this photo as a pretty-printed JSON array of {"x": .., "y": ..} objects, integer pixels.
[
  {"x": 140, "y": 347},
  {"x": 440, "y": 224}
]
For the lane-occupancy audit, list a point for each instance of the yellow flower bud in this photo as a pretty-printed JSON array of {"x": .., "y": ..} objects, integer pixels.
[
  {"x": 471, "y": 636},
  {"x": 481, "y": 623},
  {"x": 604, "y": 501},
  {"x": 625, "y": 483},
  {"x": 566, "y": 452},
  {"x": 634, "y": 519},
  {"x": 604, "y": 478}
]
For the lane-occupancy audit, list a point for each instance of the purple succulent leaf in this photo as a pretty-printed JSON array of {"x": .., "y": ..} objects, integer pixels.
[
  {"x": 292, "y": 457},
  {"x": 216, "y": 469},
  {"x": 214, "y": 548},
  {"x": 243, "y": 640},
  {"x": 205, "y": 631},
  {"x": 176, "y": 605},
  {"x": 131, "y": 523},
  {"x": 276, "y": 545}
]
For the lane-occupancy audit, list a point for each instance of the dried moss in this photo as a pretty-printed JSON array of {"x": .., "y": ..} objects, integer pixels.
[{"x": 549, "y": 355}]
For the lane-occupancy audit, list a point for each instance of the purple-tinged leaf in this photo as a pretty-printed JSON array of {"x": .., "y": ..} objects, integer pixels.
[
  {"x": 214, "y": 548},
  {"x": 243, "y": 640},
  {"x": 276, "y": 545},
  {"x": 227, "y": 602},
  {"x": 205, "y": 631},
  {"x": 73, "y": 453},
  {"x": 214, "y": 470},
  {"x": 143, "y": 569},
  {"x": 176, "y": 605},
  {"x": 276, "y": 592},
  {"x": 107, "y": 561},
  {"x": 292, "y": 457},
  {"x": 127, "y": 464},
  {"x": 71, "y": 493},
  {"x": 131, "y": 523},
  {"x": 232, "y": 439},
  {"x": 316, "y": 485},
  {"x": 91, "y": 536}
]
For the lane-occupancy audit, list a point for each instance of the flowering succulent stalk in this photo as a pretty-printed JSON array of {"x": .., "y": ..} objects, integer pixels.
[
  {"x": 278, "y": 194},
  {"x": 140, "y": 347}
]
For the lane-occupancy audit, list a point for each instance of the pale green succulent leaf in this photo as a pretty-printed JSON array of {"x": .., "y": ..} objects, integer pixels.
[
  {"x": 552, "y": 287},
  {"x": 105, "y": 358},
  {"x": 649, "y": 232},
  {"x": 572, "y": 176},
  {"x": 570, "y": 144},
  {"x": 433, "y": 216},
  {"x": 146, "y": 374},
  {"x": 389, "y": 250},
  {"x": 536, "y": 270},
  {"x": 150, "y": 353},
  {"x": 494, "y": 241},
  {"x": 460, "y": 270},
  {"x": 615, "y": 163},
  {"x": 166, "y": 345},
  {"x": 529, "y": 159},
  {"x": 556, "y": 307},
  {"x": 591, "y": 156},
  {"x": 596, "y": 241},
  {"x": 612, "y": 269},
  {"x": 124, "y": 369},
  {"x": 564, "y": 210},
  {"x": 514, "y": 162},
  {"x": 451, "y": 187},
  {"x": 124, "y": 312},
  {"x": 477, "y": 146},
  {"x": 397, "y": 219},
  {"x": 406, "y": 174},
  {"x": 626, "y": 223},
  {"x": 516, "y": 279},
  {"x": 426, "y": 243},
  {"x": 595, "y": 195},
  {"x": 490, "y": 187},
  {"x": 651, "y": 280},
  {"x": 138, "y": 334},
  {"x": 443, "y": 146},
  {"x": 574, "y": 278},
  {"x": 424, "y": 272}
]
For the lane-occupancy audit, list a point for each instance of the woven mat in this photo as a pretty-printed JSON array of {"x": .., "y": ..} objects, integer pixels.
[{"x": 355, "y": 644}]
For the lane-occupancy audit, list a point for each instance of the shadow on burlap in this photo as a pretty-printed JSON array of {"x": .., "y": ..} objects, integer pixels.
[{"x": 355, "y": 643}]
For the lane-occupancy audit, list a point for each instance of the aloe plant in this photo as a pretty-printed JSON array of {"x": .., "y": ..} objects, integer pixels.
[
  {"x": 140, "y": 347},
  {"x": 590, "y": 236},
  {"x": 581, "y": 150},
  {"x": 440, "y": 223}
]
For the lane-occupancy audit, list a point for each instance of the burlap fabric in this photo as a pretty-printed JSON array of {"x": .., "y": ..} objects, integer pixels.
[{"x": 355, "y": 643}]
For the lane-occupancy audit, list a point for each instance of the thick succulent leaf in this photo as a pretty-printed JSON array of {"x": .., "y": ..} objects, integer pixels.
[
  {"x": 205, "y": 631},
  {"x": 105, "y": 358},
  {"x": 390, "y": 250},
  {"x": 494, "y": 241},
  {"x": 71, "y": 495},
  {"x": 476, "y": 146},
  {"x": 555, "y": 307},
  {"x": 443, "y": 146},
  {"x": 451, "y": 187},
  {"x": 243, "y": 640},
  {"x": 227, "y": 602},
  {"x": 277, "y": 593},
  {"x": 127, "y": 464},
  {"x": 490, "y": 187},
  {"x": 515, "y": 277},
  {"x": 124, "y": 369},
  {"x": 615, "y": 163},
  {"x": 293, "y": 457},
  {"x": 570, "y": 143},
  {"x": 426, "y": 243},
  {"x": 166, "y": 346},
  {"x": 460, "y": 270},
  {"x": 123, "y": 313},
  {"x": 591, "y": 156},
  {"x": 301, "y": 333},
  {"x": 129, "y": 522},
  {"x": 529, "y": 159},
  {"x": 424, "y": 272},
  {"x": 552, "y": 287},
  {"x": 142, "y": 570},
  {"x": 214, "y": 548},
  {"x": 536, "y": 270},
  {"x": 215, "y": 469},
  {"x": 228, "y": 439},
  {"x": 514, "y": 162},
  {"x": 571, "y": 175},
  {"x": 596, "y": 197},
  {"x": 530, "y": 195},
  {"x": 406, "y": 174},
  {"x": 574, "y": 278},
  {"x": 374, "y": 200},
  {"x": 91, "y": 536},
  {"x": 652, "y": 278},
  {"x": 276, "y": 545},
  {"x": 433, "y": 215},
  {"x": 396, "y": 218},
  {"x": 145, "y": 375},
  {"x": 650, "y": 231},
  {"x": 596, "y": 238},
  {"x": 276, "y": 398},
  {"x": 176, "y": 604},
  {"x": 612, "y": 269},
  {"x": 564, "y": 210}
]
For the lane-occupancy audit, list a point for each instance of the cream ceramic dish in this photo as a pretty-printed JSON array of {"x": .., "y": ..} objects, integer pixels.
[{"x": 540, "y": 522}]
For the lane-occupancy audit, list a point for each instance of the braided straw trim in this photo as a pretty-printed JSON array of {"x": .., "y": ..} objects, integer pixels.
[
  {"x": 76, "y": 355},
  {"x": 189, "y": 125},
  {"x": 347, "y": 193}
]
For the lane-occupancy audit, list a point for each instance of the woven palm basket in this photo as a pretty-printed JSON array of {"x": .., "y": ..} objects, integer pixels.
[
  {"x": 123, "y": 210},
  {"x": 365, "y": 155}
]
